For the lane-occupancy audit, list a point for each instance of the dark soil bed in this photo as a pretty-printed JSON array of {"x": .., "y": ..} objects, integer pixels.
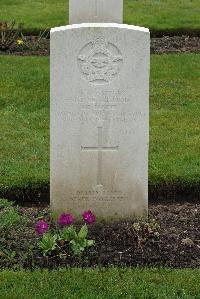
[
  {"x": 175, "y": 44},
  {"x": 159, "y": 45},
  {"x": 176, "y": 244}
]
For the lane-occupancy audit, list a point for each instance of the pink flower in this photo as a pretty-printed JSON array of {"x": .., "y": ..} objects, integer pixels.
[
  {"x": 88, "y": 217},
  {"x": 41, "y": 227},
  {"x": 65, "y": 219}
]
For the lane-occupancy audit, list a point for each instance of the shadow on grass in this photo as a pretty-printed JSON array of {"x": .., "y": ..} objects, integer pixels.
[
  {"x": 162, "y": 192},
  {"x": 154, "y": 32}
]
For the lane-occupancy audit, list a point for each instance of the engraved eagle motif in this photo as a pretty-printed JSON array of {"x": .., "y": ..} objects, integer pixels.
[{"x": 100, "y": 62}]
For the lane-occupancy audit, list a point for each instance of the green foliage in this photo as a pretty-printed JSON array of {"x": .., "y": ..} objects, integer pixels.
[
  {"x": 8, "y": 34},
  {"x": 111, "y": 283},
  {"x": 67, "y": 233},
  {"x": 77, "y": 241},
  {"x": 4, "y": 203},
  {"x": 48, "y": 243},
  {"x": 9, "y": 217}
]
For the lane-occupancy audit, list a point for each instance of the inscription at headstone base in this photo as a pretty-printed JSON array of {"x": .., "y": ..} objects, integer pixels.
[{"x": 100, "y": 119}]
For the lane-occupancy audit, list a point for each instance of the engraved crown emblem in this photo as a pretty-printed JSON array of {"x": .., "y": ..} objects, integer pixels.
[{"x": 100, "y": 61}]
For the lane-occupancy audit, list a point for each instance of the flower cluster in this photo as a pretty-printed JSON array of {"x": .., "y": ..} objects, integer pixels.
[
  {"x": 89, "y": 217},
  {"x": 41, "y": 227},
  {"x": 64, "y": 220}
]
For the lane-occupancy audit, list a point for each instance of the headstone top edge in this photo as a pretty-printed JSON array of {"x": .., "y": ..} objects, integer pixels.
[
  {"x": 99, "y": 25},
  {"x": 95, "y": 11}
]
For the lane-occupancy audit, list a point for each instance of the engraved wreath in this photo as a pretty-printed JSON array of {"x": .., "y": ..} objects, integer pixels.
[{"x": 99, "y": 61}]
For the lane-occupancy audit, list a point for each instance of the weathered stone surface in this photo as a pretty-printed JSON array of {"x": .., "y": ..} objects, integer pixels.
[
  {"x": 95, "y": 11},
  {"x": 100, "y": 119}
]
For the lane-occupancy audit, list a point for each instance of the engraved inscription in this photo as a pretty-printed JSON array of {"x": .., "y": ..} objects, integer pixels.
[
  {"x": 100, "y": 61},
  {"x": 84, "y": 117},
  {"x": 95, "y": 195},
  {"x": 100, "y": 148}
]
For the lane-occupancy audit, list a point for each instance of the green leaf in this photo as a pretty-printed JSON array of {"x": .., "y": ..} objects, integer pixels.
[
  {"x": 67, "y": 234},
  {"x": 90, "y": 243},
  {"x": 48, "y": 243},
  {"x": 73, "y": 242},
  {"x": 72, "y": 232},
  {"x": 83, "y": 232},
  {"x": 75, "y": 248}
]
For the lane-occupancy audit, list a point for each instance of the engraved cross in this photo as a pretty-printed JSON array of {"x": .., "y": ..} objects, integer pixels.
[{"x": 100, "y": 149}]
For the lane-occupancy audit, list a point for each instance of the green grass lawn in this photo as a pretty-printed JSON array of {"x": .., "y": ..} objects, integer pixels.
[
  {"x": 174, "y": 121},
  {"x": 155, "y": 14},
  {"x": 24, "y": 121},
  {"x": 110, "y": 283}
]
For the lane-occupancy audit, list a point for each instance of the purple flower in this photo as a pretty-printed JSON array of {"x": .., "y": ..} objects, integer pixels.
[
  {"x": 41, "y": 227},
  {"x": 88, "y": 217},
  {"x": 65, "y": 219}
]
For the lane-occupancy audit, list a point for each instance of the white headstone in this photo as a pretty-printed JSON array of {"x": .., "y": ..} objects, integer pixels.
[
  {"x": 95, "y": 11},
  {"x": 100, "y": 119}
]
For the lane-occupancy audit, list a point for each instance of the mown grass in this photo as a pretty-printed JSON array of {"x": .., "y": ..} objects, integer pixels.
[
  {"x": 174, "y": 121},
  {"x": 24, "y": 121},
  {"x": 156, "y": 14},
  {"x": 110, "y": 283}
]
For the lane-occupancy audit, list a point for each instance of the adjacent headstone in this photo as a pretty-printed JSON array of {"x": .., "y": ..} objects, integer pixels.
[
  {"x": 100, "y": 119},
  {"x": 95, "y": 11}
]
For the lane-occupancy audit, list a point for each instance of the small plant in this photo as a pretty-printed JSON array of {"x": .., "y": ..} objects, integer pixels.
[
  {"x": 8, "y": 34},
  {"x": 9, "y": 216},
  {"x": 145, "y": 231},
  {"x": 32, "y": 44},
  {"x": 66, "y": 235},
  {"x": 78, "y": 242},
  {"x": 48, "y": 243}
]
